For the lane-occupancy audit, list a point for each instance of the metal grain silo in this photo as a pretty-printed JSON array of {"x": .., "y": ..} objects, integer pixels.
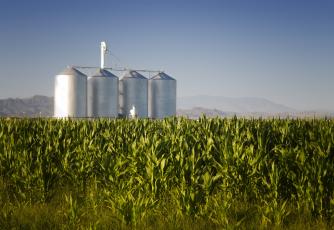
[
  {"x": 161, "y": 96},
  {"x": 70, "y": 96},
  {"x": 133, "y": 92},
  {"x": 102, "y": 94}
]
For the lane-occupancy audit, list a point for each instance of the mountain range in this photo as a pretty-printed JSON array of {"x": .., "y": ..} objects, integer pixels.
[
  {"x": 192, "y": 107},
  {"x": 36, "y": 106},
  {"x": 243, "y": 105}
]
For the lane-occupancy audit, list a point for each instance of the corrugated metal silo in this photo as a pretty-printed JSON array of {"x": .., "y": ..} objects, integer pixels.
[
  {"x": 70, "y": 96},
  {"x": 102, "y": 94},
  {"x": 133, "y": 92},
  {"x": 161, "y": 96}
]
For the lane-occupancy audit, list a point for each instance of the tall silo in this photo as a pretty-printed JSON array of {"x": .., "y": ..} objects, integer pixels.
[
  {"x": 133, "y": 92},
  {"x": 161, "y": 96},
  {"x": 102, "y": 94},
  {"x": 70, "y": 96}
]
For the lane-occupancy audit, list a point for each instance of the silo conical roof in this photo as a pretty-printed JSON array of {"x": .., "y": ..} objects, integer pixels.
[
  {"x": 103, "y": 73},
  {"x": 71, "y": 71},
  {"x": 162, "y": 76},
  {"x": 133, "y": 74}
]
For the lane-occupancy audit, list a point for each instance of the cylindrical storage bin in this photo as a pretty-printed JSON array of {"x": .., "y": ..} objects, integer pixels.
[
  {"x": 70, "y": 96},
  {"x": 102, "y": 94},
  {"x": 161, "y": 96},
  {"x": 133, "y": 92}
]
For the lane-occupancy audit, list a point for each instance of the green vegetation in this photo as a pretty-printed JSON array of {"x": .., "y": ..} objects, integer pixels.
[{"x": 168, "y": 174}]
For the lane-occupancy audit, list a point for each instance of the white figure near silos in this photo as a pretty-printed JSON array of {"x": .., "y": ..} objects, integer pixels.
[
  {"x": 133, "y": 113},
  {"x": 104, "y": 95}
]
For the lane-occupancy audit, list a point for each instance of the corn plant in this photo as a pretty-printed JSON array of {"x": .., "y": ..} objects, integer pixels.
[{"x": 206, "y": 168}]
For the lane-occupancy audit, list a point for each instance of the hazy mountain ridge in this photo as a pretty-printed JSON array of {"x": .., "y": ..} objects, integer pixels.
[
  {"x": 196, "y": 112},
  {"x": 191, "y": 107},
  {"x": 35, "y": 106},
  {"x": 243, "y": 105},
  {"x": 195, "y": 106}
]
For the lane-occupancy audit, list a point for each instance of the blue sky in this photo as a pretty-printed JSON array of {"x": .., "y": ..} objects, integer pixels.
[{"x": 280, "y": 50}]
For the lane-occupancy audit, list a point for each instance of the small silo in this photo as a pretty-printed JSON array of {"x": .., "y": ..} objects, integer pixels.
[
  {"x": 70, "y": 96},
  {"x": 133, "y": 92},
  {"x": 161, "y": 96},
  {"x": 102, "y": 94}
]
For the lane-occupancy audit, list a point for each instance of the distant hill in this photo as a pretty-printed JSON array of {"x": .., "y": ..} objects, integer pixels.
[
  {"x": 27, "y": 107},
  {"x": 245, "y": 105},
  {"x": 191, "y": 107},
  {"x": 196, "y": 112}
]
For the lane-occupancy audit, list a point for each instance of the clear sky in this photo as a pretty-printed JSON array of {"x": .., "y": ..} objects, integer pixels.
[{"x": 281, "y": 50}]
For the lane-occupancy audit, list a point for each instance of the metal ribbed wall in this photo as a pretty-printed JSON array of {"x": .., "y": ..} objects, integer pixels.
[
  {"x": 70, "y": 94},
  {"x": 133, "y": 92},
  {"x": 161, "y": 96},
  {"x": 102, "y": 94}
]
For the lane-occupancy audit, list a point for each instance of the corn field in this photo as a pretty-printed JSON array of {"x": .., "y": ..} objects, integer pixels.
[{"x": 173, "y": 173}]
